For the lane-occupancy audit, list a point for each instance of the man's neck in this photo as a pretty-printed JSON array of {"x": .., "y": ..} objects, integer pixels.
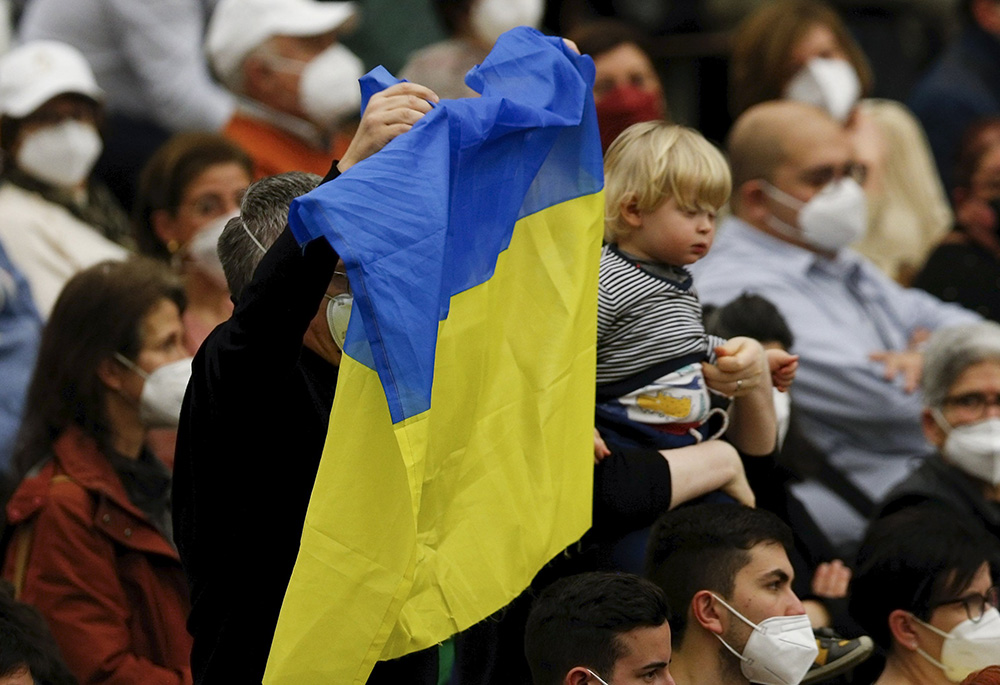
[
  {"x": 702, "y": 660},
  {"x": 909, "y": 668}
]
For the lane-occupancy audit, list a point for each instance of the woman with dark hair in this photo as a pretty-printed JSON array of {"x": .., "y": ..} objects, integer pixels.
[
  {"x": 187, "y": 191},
  {"x": 965, "y": 266},
  {"x": 627, "y": 88},
  {"x": 924, "y": 590},
  {"x": 91, "y": 545},
  {"x": 801, "y": 50}
]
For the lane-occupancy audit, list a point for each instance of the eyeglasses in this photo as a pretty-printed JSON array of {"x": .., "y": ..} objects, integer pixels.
[
  {"x": 341, "y": 283},
  {"x": 974, "y": 404},
  {"x": 975, "y": 604},
  {"x": 821, "y": 176}
]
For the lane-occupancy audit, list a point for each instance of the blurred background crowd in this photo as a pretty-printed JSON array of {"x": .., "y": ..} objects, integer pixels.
[{"x": 130, "y": 132}]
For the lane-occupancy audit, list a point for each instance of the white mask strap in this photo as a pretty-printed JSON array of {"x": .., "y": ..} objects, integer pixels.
[
  {"x": 726, "y": 645},
  {"x": 131, "y": 365},
  {"x": 253, "y": 238},
  {"x": 781, "y": 196},
  {"x": 734, "y": 612},
  {"x": 739, "y": 616},
  {"x": 931, "y": 659},
  {"x": 931, "y": 628},
  {"x": 943, "y": 424},
  {"x": 599, "y": 678},
  {"x": 920, "y": 650}
]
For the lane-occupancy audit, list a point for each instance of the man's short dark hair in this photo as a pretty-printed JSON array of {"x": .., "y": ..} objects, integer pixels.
[
  {"x": 703, "y": 547},
  {"x": 912, "y": 559},
  {"x": 750, "y": 315},
  {"x": 577, "y": 621},
  {"x": 26, "y": 643},
  {"x": 263, "y": 214}
]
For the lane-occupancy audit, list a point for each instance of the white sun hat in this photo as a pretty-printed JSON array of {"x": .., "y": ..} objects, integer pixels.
[
  {"x": 34, "y": 73},
  {"x": 239, "y": 26}
]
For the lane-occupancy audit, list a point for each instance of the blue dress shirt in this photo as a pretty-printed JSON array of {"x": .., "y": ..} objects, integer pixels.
[
  {"x": 840, "y": 310},
  {"x": 20, "y": 333}
]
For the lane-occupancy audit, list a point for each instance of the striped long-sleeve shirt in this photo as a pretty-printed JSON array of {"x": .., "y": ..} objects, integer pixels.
[{"x": 645, "y": 319}]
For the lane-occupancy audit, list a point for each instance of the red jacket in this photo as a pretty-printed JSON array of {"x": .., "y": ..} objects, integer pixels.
[{"x": 108, "y": 582}]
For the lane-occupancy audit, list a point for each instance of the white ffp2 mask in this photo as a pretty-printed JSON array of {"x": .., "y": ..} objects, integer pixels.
[
  {"x": 492, "y": 18},
  {"x": 970, "y": 646},
  {"x": 61, "y": 155},
  {"x": 830, "y": 84},
  {"x": 973, "y": 447},
  {"x": 780, "y": 649},
  {"x": 338, "y": 315},
  {"x": 329, "y": 90},
  {"x": 834, "y": 218},
  {"x": 162, "y": 393}
]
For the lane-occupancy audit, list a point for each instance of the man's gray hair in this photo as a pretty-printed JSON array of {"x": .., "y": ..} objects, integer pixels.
[
  {"x": 263, "y": 215},
  {"x": 950, "y": 351}
]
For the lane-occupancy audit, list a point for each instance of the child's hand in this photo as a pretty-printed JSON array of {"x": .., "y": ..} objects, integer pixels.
[
  {"x": 783, "y": 367},
  {"x": 831, "y": 579},
  {"x": 600, "y": 448},
  {"x": 738, "y": 369}
]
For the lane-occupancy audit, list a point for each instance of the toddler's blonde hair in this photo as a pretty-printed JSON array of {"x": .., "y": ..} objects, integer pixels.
[{"x": 653, "y": 161}]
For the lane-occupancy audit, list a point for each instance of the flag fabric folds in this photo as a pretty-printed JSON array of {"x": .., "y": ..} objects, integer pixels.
[{"x": 459, "y": 454}]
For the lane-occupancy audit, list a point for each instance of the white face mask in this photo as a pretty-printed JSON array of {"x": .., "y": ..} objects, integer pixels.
[
  {"x": 969, "y": 646},
  {"x": 830, "y": 84},
  {"x": 780, "y": 649},
  {"x": 834, "y": 218},
  {"x": 329, "y": 90},
  {"x": 60, "y": 155},
  {"x": 492, "y": 18},
  {"x": 338, "y": 314},
  {"x": 203, "y": 249},
  {"x": 782, "y": 413},
  {"x": 162, "y": 393},
  {"x": 973, "y": 447}
]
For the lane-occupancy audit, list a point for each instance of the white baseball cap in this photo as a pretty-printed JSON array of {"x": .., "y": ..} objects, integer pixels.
[
  {"x": 239, "y": 26},
  {"x": 34, "y": 73}
]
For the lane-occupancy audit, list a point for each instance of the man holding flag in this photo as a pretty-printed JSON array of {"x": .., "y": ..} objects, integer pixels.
[
  {"x": 255, "y": 419},
  {"x": 458, "y": 459}
]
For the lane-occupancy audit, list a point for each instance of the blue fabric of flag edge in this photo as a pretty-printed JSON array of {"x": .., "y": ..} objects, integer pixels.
[{"x": 410, "y": 259}]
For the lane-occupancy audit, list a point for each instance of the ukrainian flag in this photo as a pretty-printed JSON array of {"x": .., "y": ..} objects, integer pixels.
[{"x": 459, "y": 455}]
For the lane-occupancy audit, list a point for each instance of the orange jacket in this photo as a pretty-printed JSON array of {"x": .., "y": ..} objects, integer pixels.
[
  {"x": 107, "y": 581},
  {"x": 275, "y": 151}
]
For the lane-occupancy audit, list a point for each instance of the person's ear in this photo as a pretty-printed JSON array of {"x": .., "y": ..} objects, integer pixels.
[
  {"x": 165, "y": 228},
  {"x": 752, "y": 202},
  {"x": 932, "y": 431},
  {"x": 631, "y": 214},
  {"x": 901, "y": 628},
  {"x": 111, "y": 373},
  {"x": 706, "y": 611},
  {"x": 578, "y": 675}
]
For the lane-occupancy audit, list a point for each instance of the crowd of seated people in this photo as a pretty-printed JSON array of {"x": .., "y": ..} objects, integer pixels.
[{"x": 796, "y": 454}]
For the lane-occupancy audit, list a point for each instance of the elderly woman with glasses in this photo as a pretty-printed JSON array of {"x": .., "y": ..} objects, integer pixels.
[
  {"x": 924, "y": 589},
  {"x": 961, "y": 418}
]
